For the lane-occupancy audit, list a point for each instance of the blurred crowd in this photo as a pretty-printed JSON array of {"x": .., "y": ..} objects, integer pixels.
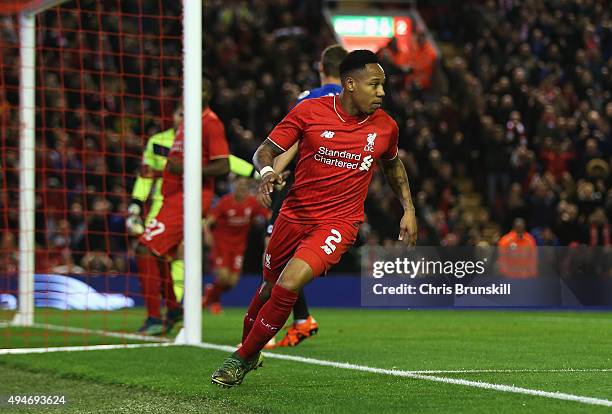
[
  {"x": 517, "y": 112},
  {"x": 524, "y": 109}
]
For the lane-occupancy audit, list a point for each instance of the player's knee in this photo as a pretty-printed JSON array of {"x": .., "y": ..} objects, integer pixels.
[{"x": 296, "y": 275}]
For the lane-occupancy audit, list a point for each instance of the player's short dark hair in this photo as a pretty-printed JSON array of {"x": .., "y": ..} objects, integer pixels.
[
  {"x": 356, "y": 60},
  {"x": 331, "y": 58}
]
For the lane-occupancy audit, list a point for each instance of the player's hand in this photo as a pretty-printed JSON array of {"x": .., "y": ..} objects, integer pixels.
[
  {"x": 266, "y": 187},
  {"x": 284, "y": 175},
  {"x": 408, "y": 227},
  {"x": 133, "y": 223}
]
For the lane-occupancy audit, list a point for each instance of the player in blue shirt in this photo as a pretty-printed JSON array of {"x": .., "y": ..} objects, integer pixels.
[
  {"x": 304, "y": 325},
  {"x": 327, "y": 89}
]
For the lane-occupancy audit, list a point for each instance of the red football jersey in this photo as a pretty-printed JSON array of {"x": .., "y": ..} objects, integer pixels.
[
  {"x": 335, "y": 158},
  {"x": 214, "y": 145},
  {"x": 233, "y": 219}
]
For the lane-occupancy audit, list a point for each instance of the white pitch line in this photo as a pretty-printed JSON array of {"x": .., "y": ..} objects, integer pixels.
[
  {"x": 22, "y": 351},
  {"x": 122, "y": 335},
  {"x": 510, "y": 371},
  {"x": 416, "y": 375}
]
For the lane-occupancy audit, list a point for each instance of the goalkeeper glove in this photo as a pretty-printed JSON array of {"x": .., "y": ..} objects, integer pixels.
[{"x": 133, "y": 223}]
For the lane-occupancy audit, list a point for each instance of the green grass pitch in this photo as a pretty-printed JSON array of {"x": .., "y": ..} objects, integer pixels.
[{"x": 531, "y": 347}]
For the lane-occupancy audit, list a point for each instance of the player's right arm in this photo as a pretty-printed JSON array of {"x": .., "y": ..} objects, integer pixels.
[
  {"x": 140, "y": 193},
  {"x": 283, "y": 137},
  {"x": 263, "y": 161}
]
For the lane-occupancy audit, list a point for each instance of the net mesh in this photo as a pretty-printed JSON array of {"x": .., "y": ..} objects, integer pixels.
[{"x": 108, "y": 75}]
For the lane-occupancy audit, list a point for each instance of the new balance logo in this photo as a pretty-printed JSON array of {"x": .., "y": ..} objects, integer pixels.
[
  {"x": 327, "y": 134},
  {"x": 371, "y": 138},
  {"x": 366, "y": 163},
  {"x": 267, "y": 259}
]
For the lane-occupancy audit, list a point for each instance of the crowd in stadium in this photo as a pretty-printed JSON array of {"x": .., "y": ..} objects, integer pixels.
[
  {"x": 519, "y": 106},
  {"x": 529, "y": 113}
]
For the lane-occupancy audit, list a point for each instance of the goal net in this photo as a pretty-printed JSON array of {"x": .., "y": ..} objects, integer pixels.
[{"x": 106, "y": 76}]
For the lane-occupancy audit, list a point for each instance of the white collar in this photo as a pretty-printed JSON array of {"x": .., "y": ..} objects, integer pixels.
[{"x": 342, "y": 119}]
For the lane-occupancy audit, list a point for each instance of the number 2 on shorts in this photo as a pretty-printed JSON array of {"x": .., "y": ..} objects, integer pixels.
[{"x": 330, "y": 242}]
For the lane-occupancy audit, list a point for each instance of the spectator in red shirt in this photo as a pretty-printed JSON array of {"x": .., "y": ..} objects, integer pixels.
[{"x": 557, "y": 157}]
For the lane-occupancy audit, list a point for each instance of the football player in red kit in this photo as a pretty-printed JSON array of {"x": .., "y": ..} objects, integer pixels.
[
  {"x": 340, "y": 137},
  {"x": 163, "y": 236},
  {"x": 226, "y": 231}
]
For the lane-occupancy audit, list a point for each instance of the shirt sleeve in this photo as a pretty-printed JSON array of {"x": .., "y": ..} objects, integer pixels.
[
  {"x": 391, "y": 151},
  {"x": 240, "y": 167},
  {"x": 214, "y": 137},
  {"x": 148, "y": 156},
  {"x": 290, "y": 129}
]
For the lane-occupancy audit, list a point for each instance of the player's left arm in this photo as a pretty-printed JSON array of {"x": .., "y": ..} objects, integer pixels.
[
  {"x": 395, "y": 172},
  {"x": 398, "y": 180},
  {"x": 284, "y": 159}
]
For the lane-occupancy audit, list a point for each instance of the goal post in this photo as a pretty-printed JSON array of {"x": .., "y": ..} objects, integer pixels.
[
  {"x": 27, "y": 168},
  {"x": 192, "y": 179},
  {"x": 31, "y": 94},
  {"x": 27, "y": 143}
]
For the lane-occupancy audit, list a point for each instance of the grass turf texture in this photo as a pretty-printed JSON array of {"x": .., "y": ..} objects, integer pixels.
[{"x": 171, "y": 378}]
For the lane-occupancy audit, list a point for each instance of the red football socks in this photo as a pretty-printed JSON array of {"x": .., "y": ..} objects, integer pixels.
[
  {"x": 270, "y": 319},
  {"x": 150, "y": 281},
  {"x": 251, "y": 314}
]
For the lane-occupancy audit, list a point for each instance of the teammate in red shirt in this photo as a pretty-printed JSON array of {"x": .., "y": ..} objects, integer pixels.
[
  {"x": 340, "y": 137},
  {"x": 163, "y": 237},
  {"x": 230, "y": 221}
]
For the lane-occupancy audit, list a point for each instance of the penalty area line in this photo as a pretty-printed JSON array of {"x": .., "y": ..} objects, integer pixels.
[{"x": 427, "y": 377}]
